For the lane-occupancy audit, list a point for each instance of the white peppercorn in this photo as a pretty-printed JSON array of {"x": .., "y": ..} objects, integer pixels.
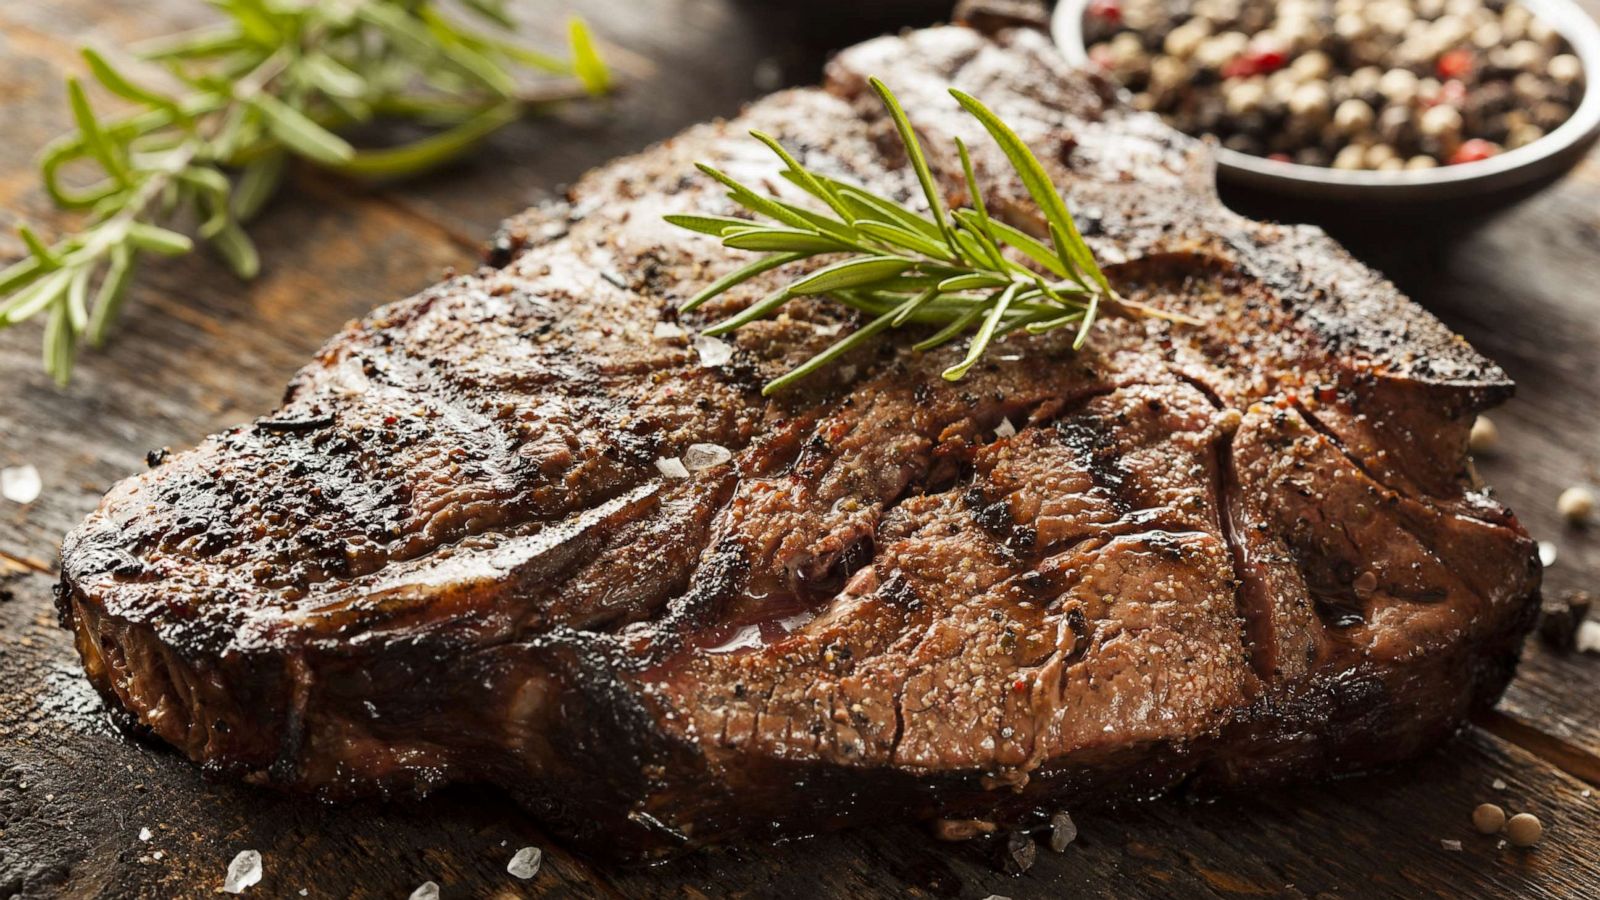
[
  {"x": 1398, "y": 85},
  {"x": 1181, "y": 42},
  {"x": 1310, "y": 101},
  {"x": 1565, "y": 68},
  {"x": 1524, "y": 55},
  {"x": 1540, "y": 32},
  {"x": 1523, "y": 135},
  {"x": 1311, "y": 65},
  {"x": 1484, "y": 436},
  {"x": 1488, "y": 818},
  {"x": 1528, "y": 87},
  {"x": 1245, "y": 96},
  {"x": 1440, "y": 121},
  {"x": 1576, "y": 504},
  {"x": 1377, "y": 155},
  {"x": 1215, "y": 52},
  {"x": 1524, "y": 830},
  {"x": 1365, "y": 80},
  {"x": 1353, "y": 117},
  {"x": 1350, "y": 26},
  {"x": 1350, "y": 157}
]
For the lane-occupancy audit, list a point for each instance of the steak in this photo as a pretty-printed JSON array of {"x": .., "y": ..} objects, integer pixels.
[{"x": 1231, "y": 554}]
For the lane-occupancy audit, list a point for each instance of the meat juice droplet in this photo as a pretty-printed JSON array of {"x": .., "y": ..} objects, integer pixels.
[
  {"x": 746, "y": 638},
  {"x": 244, "y": 871},
  {"x": 525, "y": 864}
]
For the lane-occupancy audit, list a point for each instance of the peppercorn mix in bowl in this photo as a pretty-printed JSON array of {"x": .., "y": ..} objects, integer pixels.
[{"x": 1406, "y": 101}]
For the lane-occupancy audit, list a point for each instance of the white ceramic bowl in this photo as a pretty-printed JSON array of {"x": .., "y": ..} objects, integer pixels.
[{"x": 1542, "y": 160}]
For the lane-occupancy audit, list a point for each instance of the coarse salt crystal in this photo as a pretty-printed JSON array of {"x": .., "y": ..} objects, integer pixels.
[
  {"x": 1498, "y": 784},
  {"x": 1587, "y": 640},
  {"x": 20, "y": 484},
  {"x": 1006, "y": 429},
  {"x": 427, "y": 891},
  {"x": 1547, "y": 554},
  {"x": 144, "y": 834},
  {"x": 712, "y": 352},
  {"x": 828, "y": 330},
  {"x": 1453, "y": 846},
  {"x": 244, "y": 871},
  {"x": 665, "y": 330},
  {"x": 672, "y": 467},
  {"x": 525, "y": 864},
  {"x": 704, "y": 456}
]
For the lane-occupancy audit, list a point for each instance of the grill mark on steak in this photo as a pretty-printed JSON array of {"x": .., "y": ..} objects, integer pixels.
[
  {"x": 877, "y": 609},
  {"x": 1254, "y": 608}
]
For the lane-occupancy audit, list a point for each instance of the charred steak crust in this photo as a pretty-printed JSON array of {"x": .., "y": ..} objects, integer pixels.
[{"x": 1233, "y": 554}]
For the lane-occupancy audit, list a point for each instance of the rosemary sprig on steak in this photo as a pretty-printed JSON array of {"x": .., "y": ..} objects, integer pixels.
[
  {"x": 271, "y": 82},
  {"x": 949, "y": 268}
]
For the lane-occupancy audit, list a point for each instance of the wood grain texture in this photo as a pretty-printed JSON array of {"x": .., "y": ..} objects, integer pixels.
[{"x": 204, "y": 351}]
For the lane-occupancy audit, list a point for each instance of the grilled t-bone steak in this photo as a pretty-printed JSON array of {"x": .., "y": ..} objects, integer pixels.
[{"x": 1237, "y": 553}]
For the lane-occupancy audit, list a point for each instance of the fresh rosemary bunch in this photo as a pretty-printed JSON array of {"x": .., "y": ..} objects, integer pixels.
[
  {"x": 275, "y": 80},
  {"x": 949, "y": 268}
]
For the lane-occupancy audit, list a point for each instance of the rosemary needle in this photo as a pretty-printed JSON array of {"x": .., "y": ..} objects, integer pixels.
[{"x": 948, "y": 268}]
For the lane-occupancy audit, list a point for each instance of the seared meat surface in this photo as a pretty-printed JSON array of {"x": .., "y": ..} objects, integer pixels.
[{"x": 1238, "y": 553}]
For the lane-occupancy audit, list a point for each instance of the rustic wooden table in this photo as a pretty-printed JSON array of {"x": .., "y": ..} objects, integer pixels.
[{"x": 201, "y": 351}]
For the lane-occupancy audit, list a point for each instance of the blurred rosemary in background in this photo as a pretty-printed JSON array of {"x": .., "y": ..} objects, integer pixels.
[{"x": 277, "y": 79}]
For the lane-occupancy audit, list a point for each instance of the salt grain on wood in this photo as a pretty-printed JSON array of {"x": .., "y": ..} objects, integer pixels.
[
  {"x": 525, "y": 864},
  {"x": 244, "y": 871},
  {"x": 427, "y": 891},
  {"x": 1063, "y": 831},
  {"x": 20, "y": 484}
]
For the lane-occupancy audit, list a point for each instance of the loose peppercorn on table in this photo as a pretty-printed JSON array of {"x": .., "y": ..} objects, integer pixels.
[{"x": 84, "y": 811}]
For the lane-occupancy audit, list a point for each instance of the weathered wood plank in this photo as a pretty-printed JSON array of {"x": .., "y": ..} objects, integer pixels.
[{"x": 685, "y": 62}]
